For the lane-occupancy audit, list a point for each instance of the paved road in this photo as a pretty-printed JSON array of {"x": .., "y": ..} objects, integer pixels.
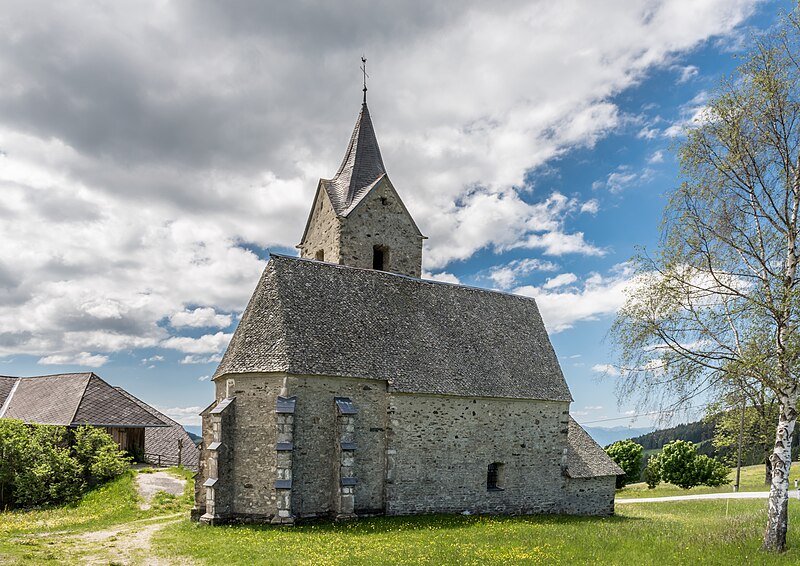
[{"x": 740, "y": 495}]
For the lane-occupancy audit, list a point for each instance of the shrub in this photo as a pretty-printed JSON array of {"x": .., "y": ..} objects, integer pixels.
[
  {"x": 38, "y": 466},
  {"x": 628, "y": 456},
  {"x": 99, "y": 456},
  {"x": 652, "y": 472},
  {"x": 711, "y": 472},
  {"x": 682, "y": 466}
]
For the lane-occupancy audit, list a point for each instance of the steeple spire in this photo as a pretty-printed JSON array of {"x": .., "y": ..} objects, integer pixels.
[{"x": 364, "y": 70}]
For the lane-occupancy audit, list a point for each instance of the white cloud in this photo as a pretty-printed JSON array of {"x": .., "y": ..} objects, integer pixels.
[
  {"x": 597, "y": 296},
  {"x": 201, "y": 317},
  {"x": 206, "y": 344},
  {"x": 80, "y": 359},
  {"x": 593, "y": 408},
  {"x": 441, "y": 276},
  {"x": 184, "y": 415},
  {"x": 506, "y": 276},
  {"x": 195, "y": 359},
  {"x": 605, "y": 369},
  {"x": 623, "y": 178},
  {"x": 656, "y": 157},
  {"x": 591, "y": 206},
  {"x": 154, "y": 175},
  {"x": 204, "y": 378},
  {"x": 692, "y": 114},
  {"x": 152, "y": 359},
  {"x": 648, "y": 133},
  {"x": 687, "y": 73},
  {"x": 560, "y": 281}
]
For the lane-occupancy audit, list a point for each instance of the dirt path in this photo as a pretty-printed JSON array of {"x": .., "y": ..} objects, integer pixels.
[{"x": 130, "y": 543}]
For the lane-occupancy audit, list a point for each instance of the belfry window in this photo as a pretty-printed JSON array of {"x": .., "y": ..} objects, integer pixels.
[
  {"x": 380, "y": 258},
  {"x": 320, "y": 255},
  {"x": 493, "y": 476}
]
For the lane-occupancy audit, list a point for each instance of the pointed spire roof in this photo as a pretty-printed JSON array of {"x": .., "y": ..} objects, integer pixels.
[{"x": 361, "y": 168}]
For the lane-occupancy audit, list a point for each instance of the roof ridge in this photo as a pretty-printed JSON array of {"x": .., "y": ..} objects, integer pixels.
[
  {"x": 401, "y": 275},
  {"x": 83, "y": 393},
  {"x": 7, "y": 401}
]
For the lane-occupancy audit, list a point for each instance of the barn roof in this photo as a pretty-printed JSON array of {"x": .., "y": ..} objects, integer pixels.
[
  {"x": 314, "y": 318},
  {"x": 585, "y": 458},
  {"x": 70, "y": 399}
]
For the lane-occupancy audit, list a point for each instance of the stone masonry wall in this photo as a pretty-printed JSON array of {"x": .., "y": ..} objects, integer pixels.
[
  {"x": 313, "y": 490},
  {"x": 590, "y": 496},
  {"x": 374, "y": 223},
  {"x": 323, "y": 231},
  {"x": 439, "y": 450}
]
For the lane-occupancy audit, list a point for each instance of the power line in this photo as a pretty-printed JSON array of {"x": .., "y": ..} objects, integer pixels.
[{"x": 626, "y": 417}]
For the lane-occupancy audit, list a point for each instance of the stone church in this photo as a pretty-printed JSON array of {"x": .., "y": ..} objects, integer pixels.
[{"x": 353, "y": 387}]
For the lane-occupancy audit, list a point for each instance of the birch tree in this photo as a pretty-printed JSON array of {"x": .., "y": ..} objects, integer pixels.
[{"x": 718, "y": 301}]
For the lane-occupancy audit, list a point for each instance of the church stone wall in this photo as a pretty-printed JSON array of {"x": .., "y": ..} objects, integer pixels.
[
  {"x": 316, "y": 440},
  {"x": 313, "y": 456},
  {"x": 590, "y": 496},
  {"x": 373, "y": 223},
  {"x": 440, "y": 449},
  {"x": 323, "y": 230}
]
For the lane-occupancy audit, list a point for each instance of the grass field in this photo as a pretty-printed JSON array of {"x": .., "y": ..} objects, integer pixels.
[
  {"x": 752, "y": 480},
  {"x": 708, "y": 532},
  {"x": 695, "y": 532}
]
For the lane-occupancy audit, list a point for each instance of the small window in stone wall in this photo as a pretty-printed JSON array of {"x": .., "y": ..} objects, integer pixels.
[
  {"x": 380, "y": 258},
  {"x": 494, "y": 477},
  {"x": 320, "y": 256}
]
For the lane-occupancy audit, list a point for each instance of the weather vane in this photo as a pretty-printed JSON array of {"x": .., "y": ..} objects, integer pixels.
[{"x": 366, "y": 76}]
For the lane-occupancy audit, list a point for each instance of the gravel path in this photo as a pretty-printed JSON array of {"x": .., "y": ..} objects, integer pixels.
[{"x": 150, "y": 484}]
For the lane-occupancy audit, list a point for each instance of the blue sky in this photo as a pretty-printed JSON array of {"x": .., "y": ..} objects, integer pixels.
[{"x": 150, "y": 157}]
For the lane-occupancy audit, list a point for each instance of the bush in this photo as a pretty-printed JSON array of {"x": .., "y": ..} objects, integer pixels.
[
  {"x": 98, "y": 455},
  {"x": 680, "y": 465},
  {"x": 38, "y": 465},
  {"x": 652, "y": 472},
  {"x": 628, "y": 456}
]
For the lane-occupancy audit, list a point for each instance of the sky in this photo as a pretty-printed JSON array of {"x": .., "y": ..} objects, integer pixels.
[{"x": 153, "y": 154}]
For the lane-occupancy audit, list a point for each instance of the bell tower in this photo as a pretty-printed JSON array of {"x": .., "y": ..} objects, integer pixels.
[{"x": 357, "y": 218}]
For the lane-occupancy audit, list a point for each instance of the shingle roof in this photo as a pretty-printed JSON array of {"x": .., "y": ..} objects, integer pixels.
[
  {"x": 72, "y": 399},
  {"x": 163, "y": 441},
  {"x": 361, "y": 168},
  {"x": 49, "y": 399},
  {"x": 314, "y": 318},
  {"x": 585, "y": 458}
]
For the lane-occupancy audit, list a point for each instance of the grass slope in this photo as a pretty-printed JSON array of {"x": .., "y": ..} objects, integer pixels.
[
  {"x": 752, "y": 480},
  {"x": 40, "y": 536}
]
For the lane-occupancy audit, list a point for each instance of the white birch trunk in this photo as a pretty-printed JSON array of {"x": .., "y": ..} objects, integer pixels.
[{"x": 781, "y": 459}]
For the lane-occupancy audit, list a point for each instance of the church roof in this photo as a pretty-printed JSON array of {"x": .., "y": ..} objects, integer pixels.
[
  {"x": 361, "y": 168},
  {"x": 314, "y": 318},
  {"x": 70, "y": 399},
  {"x": 585, "y": 458}
]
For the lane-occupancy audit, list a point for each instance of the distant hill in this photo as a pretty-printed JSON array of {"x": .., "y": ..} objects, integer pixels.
[
  {"x": 608, "y": 435},
  {"x": 700, "y": 432}
]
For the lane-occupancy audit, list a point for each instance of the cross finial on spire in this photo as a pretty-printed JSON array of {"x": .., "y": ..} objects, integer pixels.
[{"x": 364, "y": 70}]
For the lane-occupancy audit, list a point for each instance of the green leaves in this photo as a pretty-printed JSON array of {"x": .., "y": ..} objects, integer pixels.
[
  {"x": 628, "y": 456},
  {"x": 39, "y": 466}
]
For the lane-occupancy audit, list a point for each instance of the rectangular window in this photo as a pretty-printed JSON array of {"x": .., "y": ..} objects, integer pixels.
[
  {"x": 380, "y": 259},
  {"x": 493, "y": 476}
]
